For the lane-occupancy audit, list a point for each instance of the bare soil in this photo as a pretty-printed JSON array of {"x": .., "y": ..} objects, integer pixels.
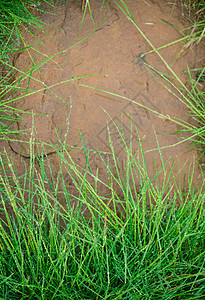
[{"x": 108, "y": 55}]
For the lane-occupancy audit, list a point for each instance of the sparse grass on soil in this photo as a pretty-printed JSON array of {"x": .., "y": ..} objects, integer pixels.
[
  {"x": 194, "y": 96},
  {"x": 146, "y": 243}
]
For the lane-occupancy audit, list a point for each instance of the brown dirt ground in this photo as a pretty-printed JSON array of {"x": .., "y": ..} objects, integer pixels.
[{"x": 108, "y": 54}]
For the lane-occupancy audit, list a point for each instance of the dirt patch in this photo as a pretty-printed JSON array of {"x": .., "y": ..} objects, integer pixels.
[{"x": 106, "y": 59}]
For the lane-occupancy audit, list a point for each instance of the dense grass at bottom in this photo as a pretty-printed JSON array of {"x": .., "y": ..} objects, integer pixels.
[{"x": 50, "y": 250}]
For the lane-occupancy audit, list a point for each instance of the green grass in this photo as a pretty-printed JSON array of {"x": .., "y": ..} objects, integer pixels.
[
  {"x": 150, "y": 245},
  {"x": 142, "y": 241},
  {"x": 15, "y": 16}
]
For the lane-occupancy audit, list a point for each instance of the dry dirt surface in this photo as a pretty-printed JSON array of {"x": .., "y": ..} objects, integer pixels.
[{"x": 105, "y": 57}]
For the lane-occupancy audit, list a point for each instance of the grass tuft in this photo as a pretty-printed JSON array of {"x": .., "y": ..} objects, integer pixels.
[{"x": 79, "y": 247}]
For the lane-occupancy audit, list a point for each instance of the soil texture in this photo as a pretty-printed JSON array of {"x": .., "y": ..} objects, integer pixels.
[{"x": 94, "y": 74}]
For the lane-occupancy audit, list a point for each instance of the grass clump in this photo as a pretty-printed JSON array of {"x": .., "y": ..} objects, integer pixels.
[
  {"x": 63, "y": 245},
  {"x": 15, "y": 16}
]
